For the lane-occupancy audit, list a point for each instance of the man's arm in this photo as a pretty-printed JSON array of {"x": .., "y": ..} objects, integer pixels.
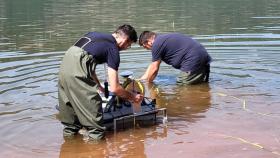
[
  {"x": 151, "y": 71},
  {"x": 116, "y": 88}
]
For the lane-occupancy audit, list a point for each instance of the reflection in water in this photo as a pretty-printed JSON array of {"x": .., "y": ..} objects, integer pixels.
[
  {"x": 129, "y": 143},
  {"x": 182, "y": 101},
  {"x": 78, "y": 148},
  {"x": 185, "y": 103}
]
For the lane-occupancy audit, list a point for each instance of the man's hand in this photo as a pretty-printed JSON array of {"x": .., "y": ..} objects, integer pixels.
[
  {"x": 136, "y": 103},
  {"x": 101, "y": 89},
  {"x": 151, "y": 71},
  {"x": 138, "y": 98}
]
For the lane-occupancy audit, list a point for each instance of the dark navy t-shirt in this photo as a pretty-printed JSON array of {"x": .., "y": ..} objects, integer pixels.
[
  {"x": 180, "y": 51},
  {"x": 104, "y": 49}
]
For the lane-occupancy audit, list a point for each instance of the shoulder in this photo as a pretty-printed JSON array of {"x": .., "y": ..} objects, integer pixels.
[
  {"x": 99, "y": 36},
  {"x": 177, "y": 38},
  {"x": 160, "y": 40},
  {"x": 163, "y": 37}
]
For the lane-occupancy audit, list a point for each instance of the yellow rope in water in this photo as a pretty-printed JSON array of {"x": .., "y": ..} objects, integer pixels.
[
  {"x": 248, "y": 110},
  {"x": 245, "y": 141},
  {"x": 250, "y": 143},
  {"x": 244, "y": 105}
]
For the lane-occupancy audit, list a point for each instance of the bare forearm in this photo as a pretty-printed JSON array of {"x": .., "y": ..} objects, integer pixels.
[
  {"x": 150, "y": 73},
  {"x": 121, "y": 92},
  {"x": 146, "y": 74},
  {"x": 116, "y": 88},
  {"x": 152, "y": 76}
]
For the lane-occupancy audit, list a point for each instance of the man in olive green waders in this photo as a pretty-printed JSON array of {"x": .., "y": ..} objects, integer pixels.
[{"x": 80, "y": 105}]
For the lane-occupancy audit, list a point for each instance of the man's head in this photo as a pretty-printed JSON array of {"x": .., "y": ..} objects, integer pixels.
[
  {"x": 125, "y": 35},
  {"x": 146, "y": 39}
]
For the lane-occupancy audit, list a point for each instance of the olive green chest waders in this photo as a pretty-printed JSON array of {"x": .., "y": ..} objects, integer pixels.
[
  {"x": 200, "y": 76},
  {"x": 80, "y": 105}
]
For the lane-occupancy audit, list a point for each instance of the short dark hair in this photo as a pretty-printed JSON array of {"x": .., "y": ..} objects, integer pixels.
[
  {"x": 127, "y": 30},
  {"x": 145, "y": 35}
]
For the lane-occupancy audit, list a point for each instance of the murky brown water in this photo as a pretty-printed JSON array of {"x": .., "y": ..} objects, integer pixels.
[{"x": 236, "y": 115}]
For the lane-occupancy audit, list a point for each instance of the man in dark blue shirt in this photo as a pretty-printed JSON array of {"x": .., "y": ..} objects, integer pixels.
[
  {"x": 181, "y": 52},
  {"x": 80, "y": 105}
]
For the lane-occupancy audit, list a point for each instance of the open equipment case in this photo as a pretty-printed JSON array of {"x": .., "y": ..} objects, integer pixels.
[{"x": 121, "y": 114}]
